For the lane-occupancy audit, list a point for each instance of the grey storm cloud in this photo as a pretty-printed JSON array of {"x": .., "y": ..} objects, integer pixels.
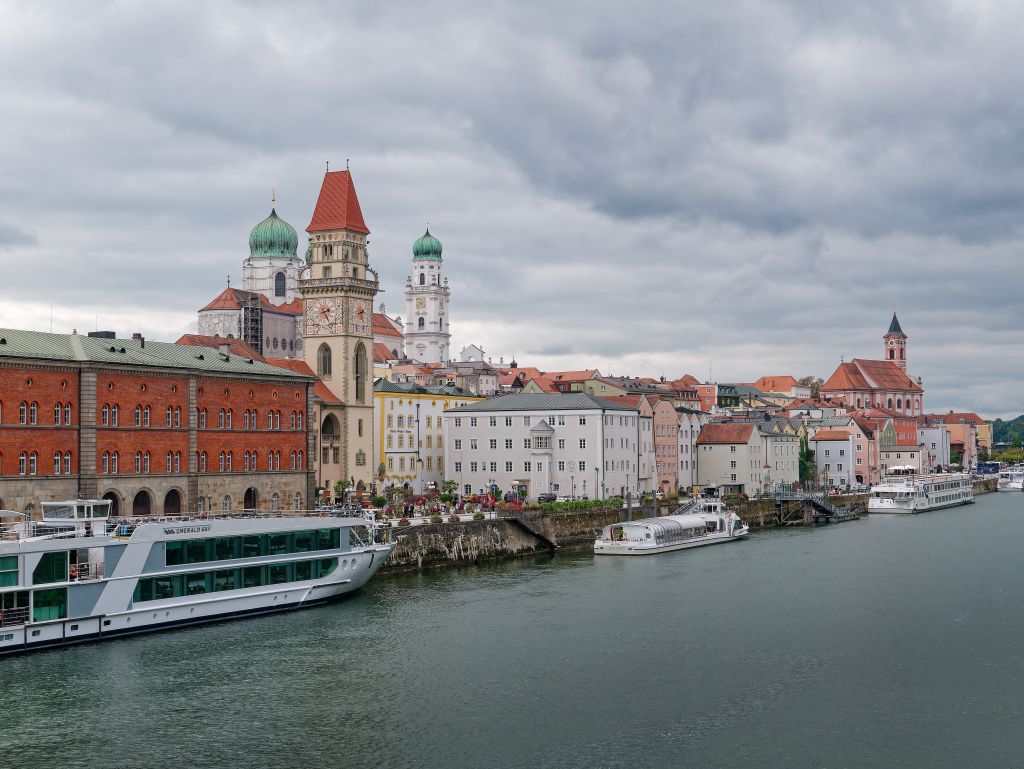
[{"x": 746, "y": 188}]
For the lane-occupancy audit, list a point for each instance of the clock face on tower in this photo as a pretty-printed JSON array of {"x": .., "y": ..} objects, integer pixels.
[
  {"x": 360, "y": 316},
  {"x": 323, "y": 316},
  {"x": 421, "y": 302}
]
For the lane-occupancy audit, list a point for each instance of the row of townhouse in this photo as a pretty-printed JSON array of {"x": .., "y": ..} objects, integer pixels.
[{"x": 746, "y": 457}]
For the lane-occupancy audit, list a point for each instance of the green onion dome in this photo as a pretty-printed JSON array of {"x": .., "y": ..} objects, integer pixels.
[
  {"x": 427, "y": 247},
  {"x": 273, "y": 237}
]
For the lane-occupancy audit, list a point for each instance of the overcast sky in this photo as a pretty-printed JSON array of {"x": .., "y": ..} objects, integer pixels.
[{"x": 645, "y": 188}]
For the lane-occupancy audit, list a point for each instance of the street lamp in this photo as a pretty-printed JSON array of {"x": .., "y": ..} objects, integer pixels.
[{"x": 572, "y": 486}]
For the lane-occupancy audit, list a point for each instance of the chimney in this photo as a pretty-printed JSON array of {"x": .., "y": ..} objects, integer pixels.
[
  {"x": 224, "y": 348},
  {"x": 137, "y": 337}
]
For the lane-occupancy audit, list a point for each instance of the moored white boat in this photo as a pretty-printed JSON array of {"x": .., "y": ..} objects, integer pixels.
[
  {"x": 920, "y": 493},
  {"x": 78, "y": 575},
  {"x": 1011, "y": 479},
  {"x": 711, "y": 524}
]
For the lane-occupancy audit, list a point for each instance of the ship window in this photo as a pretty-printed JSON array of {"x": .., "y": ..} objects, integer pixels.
[
  {"x": 279, "y": 544},
  {"x": 226, "y": 548},
  {"x": 253, "y": 546},
  {"x": 8, "y": 571},
  {"x": 195, "y": 550},
  {"x": 177, "y": 585},
  {"x": 52, "y": 567},
  {"x": 50, "y": 604}
]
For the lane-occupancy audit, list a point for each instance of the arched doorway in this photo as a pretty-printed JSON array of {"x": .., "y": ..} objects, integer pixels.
[
  {"x": 361, "y": 486},
  {"x": 860, "y": 479},
  {"x": 251, "y": 499},
  {"x": 172, "y": 503},
  {"x": 115, "y": 503},
  {"x": 330, "y": 429},
  {"x": 142, "y": 504}
]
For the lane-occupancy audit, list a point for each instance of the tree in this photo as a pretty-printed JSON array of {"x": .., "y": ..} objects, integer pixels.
[
  {"x": 814, "y": 383},
  {"x": 808, "y": 464}
]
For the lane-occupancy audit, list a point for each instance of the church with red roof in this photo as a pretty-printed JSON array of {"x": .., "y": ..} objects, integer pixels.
[{"x": 881, "y": 384}]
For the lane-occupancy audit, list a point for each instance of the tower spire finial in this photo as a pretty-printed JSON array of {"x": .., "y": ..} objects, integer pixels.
[
  {"x": 229, "y": 281},
  {"x": 328, "y": 166},
  {"x": 346, "y": 164},
  {"x": 273, "y": 196}
]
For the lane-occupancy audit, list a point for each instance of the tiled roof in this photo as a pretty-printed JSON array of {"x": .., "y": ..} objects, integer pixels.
[
  {"x": 688, "y": 380},
  {"x": 228, "y": 299},
  {"x": 337, "y": 207},
  {"x": 235, "y": 346},
  {"x": 294, "y": 307},
  {"x": 574, "y": 376},
  {"x": 776, "y": 384},
  {"x": 544, "y": 402},
  {"x": 830, "y": 435},
  {"x": 860, "y": 374},
  {"x": 382, "y": 325},
  {"x": 15, "y": 343},
  {"x": 410, "y": 388},
  {"x": 725, "y": 432},
  {"x": 382, "y": 353},
  {"x": 956, "y": 417}
]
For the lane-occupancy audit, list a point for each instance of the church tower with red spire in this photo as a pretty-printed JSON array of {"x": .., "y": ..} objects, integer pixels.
[{"x": 338, "y": 289}]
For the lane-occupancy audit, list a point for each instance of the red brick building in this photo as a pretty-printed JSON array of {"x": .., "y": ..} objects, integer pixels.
[{"x": 158, "y": 428}]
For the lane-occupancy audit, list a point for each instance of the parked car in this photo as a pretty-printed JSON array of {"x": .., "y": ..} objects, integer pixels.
[{"x": 547, "y": 496}]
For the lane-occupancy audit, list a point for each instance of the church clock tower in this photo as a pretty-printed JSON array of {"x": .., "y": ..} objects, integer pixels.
[
  {"x": 338, "y": 291},
  {"x": 426, "y": 304},
  {"x": 894, "y": 344}
]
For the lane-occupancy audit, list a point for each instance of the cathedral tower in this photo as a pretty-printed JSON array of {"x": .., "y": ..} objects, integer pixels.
[
  {"x": 426, "y": 304},
  {"x": 338, "y": 293},
  {"x": 894, "y": 343},
  {"x": 273, "y": 266}
]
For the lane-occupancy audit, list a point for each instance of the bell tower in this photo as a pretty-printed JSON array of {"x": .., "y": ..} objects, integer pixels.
[
  {"x": 338, "y": 290},
  {"x": 427, "y": 338},
  {"x": 894, "y": 343}
]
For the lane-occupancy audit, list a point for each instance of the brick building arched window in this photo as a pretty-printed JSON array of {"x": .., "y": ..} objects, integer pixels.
[
  {"x": 67, "y": 463},
  {"x": 56, "y": 463},
  {"x": 57, "y": 411},
  {"x": 67, "y": 413},
  {"x": 23, "y": 413}
]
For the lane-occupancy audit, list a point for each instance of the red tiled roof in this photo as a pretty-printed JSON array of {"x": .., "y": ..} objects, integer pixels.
[
  {"x": 228, "y": 299},
  {"x": 382, "y": 353},
  {"x": 294, "y": 307},
  {"x": 507, "y": 375},
  {"x": 956, "y": 417},
  {"x": 725, "y": 432},
  {"x": 292, "y": 364},
  {"x": 688, "y": 380},
  {"x": 775, "y": 384},
  {"x": 382, "y": 325},
  {"x": 830, "y": 435},
  {"x": 573, "y": 376},
  {"x": 337, "y": 207},
  {"x": 861, "y": 374},
  {"x": 235, "y": 346}
]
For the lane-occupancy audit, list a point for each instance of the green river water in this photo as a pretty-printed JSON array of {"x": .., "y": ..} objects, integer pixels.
[{"x": 886, "y": 642}]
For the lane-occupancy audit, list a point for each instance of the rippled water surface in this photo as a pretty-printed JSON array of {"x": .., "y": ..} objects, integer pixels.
[{"x": 887, "y": 642}]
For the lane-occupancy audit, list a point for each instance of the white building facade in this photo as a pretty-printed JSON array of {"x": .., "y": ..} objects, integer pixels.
[
  {"x": 690, "y": 424},
  {"x": 569, "y": 444}
]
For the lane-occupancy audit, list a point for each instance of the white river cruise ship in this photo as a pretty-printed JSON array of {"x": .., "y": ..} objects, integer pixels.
[
  {"x": 79, "y": 575},
  {"x": 702, "y": 522},
  {"x": 919, "y": 493}
]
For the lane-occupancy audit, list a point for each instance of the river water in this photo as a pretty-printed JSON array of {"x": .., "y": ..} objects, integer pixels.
[{"x": 886, "y": 642}]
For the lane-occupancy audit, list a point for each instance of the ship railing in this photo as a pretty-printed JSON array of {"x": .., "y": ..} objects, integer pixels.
[
  {"x": 30, "y": 529},
  {"x": 15, "y": 616},
  {"x": 84, "y": 572}
]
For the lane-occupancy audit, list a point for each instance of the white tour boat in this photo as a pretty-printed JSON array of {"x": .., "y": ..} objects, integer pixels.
[
  {"x": 1011, "y": 479},
  {"x": 710, "y": 524},
  {"x": 79, "y": 575},
  {"x": 919, "y": 493}
]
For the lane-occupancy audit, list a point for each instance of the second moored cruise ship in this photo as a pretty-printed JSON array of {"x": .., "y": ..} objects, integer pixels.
[
  {"x": 79, "y": 575},
  {"x": 919, "y": 493}
]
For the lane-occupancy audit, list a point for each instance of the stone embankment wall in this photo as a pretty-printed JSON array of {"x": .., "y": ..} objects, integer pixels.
[
  {"x": 536, "y": 531},
  {"x": 460, "y": 544}
]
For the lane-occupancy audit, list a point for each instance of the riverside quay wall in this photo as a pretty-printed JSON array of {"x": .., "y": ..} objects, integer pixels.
[{"x": 533, "y": 532}]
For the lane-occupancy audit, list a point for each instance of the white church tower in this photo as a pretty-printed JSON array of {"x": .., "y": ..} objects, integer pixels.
[{"x": 426, "y": 298}]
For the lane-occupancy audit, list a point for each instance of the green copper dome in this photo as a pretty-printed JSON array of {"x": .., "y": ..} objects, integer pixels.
[
  {"x": 273, "y": 237},
  {"x": 427, "y": 247}
]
